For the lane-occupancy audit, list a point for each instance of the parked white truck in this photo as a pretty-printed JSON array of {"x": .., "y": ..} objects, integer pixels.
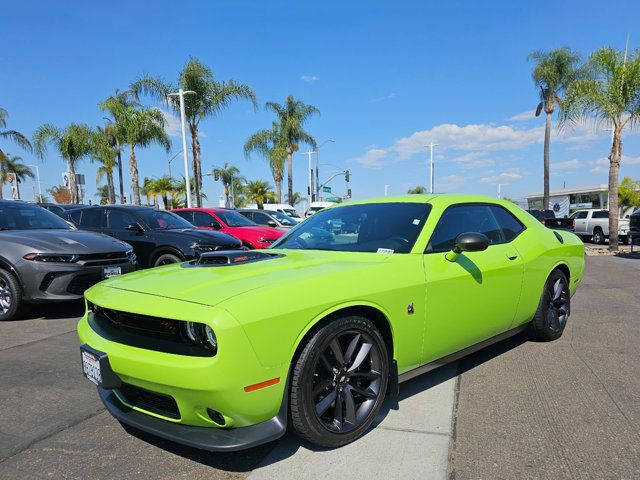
[{"x": 594, "y": 224}]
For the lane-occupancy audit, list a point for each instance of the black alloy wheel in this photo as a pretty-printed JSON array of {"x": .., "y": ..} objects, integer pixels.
[
  {"x": 554, "y": 308},
  {"x": 339, "y": 382}
]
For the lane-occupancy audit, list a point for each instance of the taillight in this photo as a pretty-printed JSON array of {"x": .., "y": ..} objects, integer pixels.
[{"x": 543, "y": 221}]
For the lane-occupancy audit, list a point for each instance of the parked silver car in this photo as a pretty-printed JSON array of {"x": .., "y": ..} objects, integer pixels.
[{"x": 44, "y": 259}]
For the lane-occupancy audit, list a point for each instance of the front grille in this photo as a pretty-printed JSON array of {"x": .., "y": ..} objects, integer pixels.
[
  {"x": 153, "y": 402},
  {"x": 103, "y": 256},
  {"x": 144, "y": 331},
  {"x": 81, "y": 282}
]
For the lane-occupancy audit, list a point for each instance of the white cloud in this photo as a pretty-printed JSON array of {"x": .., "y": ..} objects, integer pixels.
[
  {"x": 373, "y": 158},
  {"x": 309, "y": 78},
  {"x": 386, "y": 97},
  {"x": 630, "y": 160},
  {"x": 602, "y": 165},
  {"x": 568, "y": 165},
  {"x": 523, "y": 117},
  {"x": 473, "y": 160},
  {"x": 503, "y": 178},
  {"x": 171, "y": 124},
  {"x": 449, "y": 183}
]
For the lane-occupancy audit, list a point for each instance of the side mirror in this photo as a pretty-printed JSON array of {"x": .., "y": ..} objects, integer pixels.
[
  {"x": 271, "y": 223},
  {"x": 134, "y": 227},
  {"x": 468, "y": 242}
]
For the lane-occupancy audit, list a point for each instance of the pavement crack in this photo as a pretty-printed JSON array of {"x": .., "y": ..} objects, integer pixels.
[{"x": 412, "y": 430}]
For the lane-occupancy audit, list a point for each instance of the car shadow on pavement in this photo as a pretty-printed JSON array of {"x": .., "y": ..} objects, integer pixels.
[
  {"x": 52, "y": 311},
  {"x": 247, "y": 460}
]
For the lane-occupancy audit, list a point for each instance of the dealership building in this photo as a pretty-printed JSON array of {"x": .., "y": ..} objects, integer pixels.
[{"x": 565, "y": 201}]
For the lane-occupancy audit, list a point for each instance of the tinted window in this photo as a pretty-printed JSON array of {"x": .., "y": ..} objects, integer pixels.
[
  {"x": 19, "y": 216},
  {"x": 234, "y": 219},
  {"x": 93, "y": 218},
  {"x": 372, "y": 227},
  {"x": 161, "y": 220},
  {"x": 509, "y": 224},
  {"x": 201, "y": 219},
  {"x": 260, "y": 218},
  {"x": 283, "y": 219},
  {"x": 600, "y": 214},
  {"x": 118, "y": 220},
  {"x": 75, "y": 216},
  {"x": 461, "y": 219},
  {"x": 247, "y": 215},
  {"x": 582, "y": 215},
  {"x": 187, "y": 215}
]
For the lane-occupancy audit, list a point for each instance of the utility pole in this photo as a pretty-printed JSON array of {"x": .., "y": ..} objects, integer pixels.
[
  {"x": 386, "y": 190},
  {"x": 180, "y": 94},
  {"x": 38, "y": 178},
  {"x": 318, "y": 196},
  {"x": 431, "y": 168},
  {"x": 310, "y": 186},
  {"x": 499, "y": 194}
]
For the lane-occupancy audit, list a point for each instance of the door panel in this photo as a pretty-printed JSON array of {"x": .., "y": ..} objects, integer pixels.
[{"x": 142, "y": 242}]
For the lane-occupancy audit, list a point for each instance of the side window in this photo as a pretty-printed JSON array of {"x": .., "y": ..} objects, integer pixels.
[
  {"x": 186, "y": 214},
  {"x": 600, "y": 214},
  {"x": 260, "y": 218},
  {"x": 509, "y": 224},
  {"x": 75, "y": 216},
  {"x": 93, "y": 218},
  {"x": 118, "y": 220},
  {"x": 461, "y": 219},
  {"x": 582, "y": 215},
  {"x": 201, "y": 219}
]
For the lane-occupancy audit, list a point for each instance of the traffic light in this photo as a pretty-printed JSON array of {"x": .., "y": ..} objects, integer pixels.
[
  {"x": 346, "y": 176},
  {"x": 216, "y": 176}
]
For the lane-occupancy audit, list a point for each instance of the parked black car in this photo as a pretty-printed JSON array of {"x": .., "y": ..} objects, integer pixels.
[
  {"x": 44, "y": 259},
  {"x": 158, "y": 237},
  {"x": 59, "y": 208},
  {"x": 548, "y": 219}
]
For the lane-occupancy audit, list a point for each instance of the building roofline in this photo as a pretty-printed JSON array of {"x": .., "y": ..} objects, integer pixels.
[{"x": 603, "y": 187}]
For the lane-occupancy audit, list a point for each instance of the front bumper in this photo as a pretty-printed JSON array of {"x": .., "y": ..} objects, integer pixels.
[
  {"x": 205, "y": 438},
  {"x": 51, "y": 282}
]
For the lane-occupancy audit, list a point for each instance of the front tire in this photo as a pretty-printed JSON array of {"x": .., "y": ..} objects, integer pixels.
[
  {"x": 598, "y": 236},
  {"x": 166, "y": 259},
  {"x": 554, "y": 308},
  {"x": 339, "y": 382},
  {"x": 10, "y": 295}
]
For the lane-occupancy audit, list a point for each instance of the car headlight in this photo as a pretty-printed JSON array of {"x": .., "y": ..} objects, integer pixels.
[
  {"x": 51, "y": 257},
  {"x": 202, "y": 334}
]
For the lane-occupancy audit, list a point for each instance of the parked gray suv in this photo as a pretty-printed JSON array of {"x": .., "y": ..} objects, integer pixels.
[{"x": 44, "y": 259}]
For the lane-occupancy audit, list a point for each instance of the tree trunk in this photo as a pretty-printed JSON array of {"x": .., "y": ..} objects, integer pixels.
[
  {"x": 547, "y": 141},
  {"x": 260, "y": 205},
  {"x": 614, "y": 172},
  {"x": 277, "y": 178},
  {"x": 1, "y": 189},
  {"x": 72, "y": 182},
  {"x": 111, "y": 188},
  {"x": 121, "y": 184},
  {"x": 197, "y": 165},
  {"x": 165, "y": 200},
  {"x": 289, "y": 174},
  {"x": 133, "y": 167}
]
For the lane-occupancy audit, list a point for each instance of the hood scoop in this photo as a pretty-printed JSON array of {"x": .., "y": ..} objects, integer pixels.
[{"x": 231, "y": 257}]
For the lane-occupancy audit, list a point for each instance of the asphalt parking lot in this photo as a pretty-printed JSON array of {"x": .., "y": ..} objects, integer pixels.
[{"x": 567, "y": 409}]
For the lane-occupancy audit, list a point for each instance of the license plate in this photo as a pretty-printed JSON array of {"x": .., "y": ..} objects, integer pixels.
[
  {"x": 91, "y": 367},
  {"x": 109, "y": 272}
]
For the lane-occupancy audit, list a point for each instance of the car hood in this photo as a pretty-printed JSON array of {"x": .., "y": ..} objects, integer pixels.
[
  {"x": 63, "y": 241},
  {"x": 206, "y": 237},
  {"x": 211, "y": 285}
]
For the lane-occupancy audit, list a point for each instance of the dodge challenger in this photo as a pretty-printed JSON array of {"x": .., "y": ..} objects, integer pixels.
[{"x": 227, "y": 351}]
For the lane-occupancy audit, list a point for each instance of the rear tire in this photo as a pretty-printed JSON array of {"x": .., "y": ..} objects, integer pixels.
[
  {"x": 166, "y": 259},
  {"x": 10, "y": 295},
  {"x": 554, "y": 308},
  {"x": 598, "y": 236},
  {"x": 339, "y": 382}
]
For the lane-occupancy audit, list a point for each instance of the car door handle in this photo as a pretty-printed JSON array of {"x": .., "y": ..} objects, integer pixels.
[{"x": 512, "y": 255}]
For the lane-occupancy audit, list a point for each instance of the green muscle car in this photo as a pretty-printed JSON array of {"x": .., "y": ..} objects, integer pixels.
[{"x": 224, "y": 352}]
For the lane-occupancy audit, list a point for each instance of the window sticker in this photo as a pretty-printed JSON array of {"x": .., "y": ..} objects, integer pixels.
[
  {"x": 385, "y": 250},
  {"x": 416, "y": 221}
]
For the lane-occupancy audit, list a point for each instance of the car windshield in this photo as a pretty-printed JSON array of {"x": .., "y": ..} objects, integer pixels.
[
  {"x": 234, "y": 219},
  {"x": 20, "y": 216},
  {"x": 161, "y": 220},
  {"x": 291, "y": 212},
  {"x": 373, "y": 227},
  {"x": 283, "y": 219}
]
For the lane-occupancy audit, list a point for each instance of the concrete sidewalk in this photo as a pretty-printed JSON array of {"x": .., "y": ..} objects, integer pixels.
[{"x": 410, "y": 440}]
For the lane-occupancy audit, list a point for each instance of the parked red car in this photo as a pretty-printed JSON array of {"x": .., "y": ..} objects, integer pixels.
[{"x": 231, "y": 222}]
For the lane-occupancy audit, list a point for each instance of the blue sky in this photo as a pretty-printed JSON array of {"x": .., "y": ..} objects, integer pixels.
[{"x": 388, "y": 77}]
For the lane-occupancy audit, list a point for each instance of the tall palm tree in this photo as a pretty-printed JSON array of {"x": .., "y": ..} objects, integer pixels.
[
  {"x": 610, "y": 94},
  {"x": 140, "y": 127},
  {"x": 269, "y": 143},
  {"x": 114, "y": 105},
  {"x": 260, "y": 192},
  {"x": 552, "y": 74},
  {"x": 12, "y": 169},
  {"x": 238, "y": 191},
  {"x": 292, "y": 115},
  {"x": 102, "y": 151},
  {"x": 225, "y": 174},
  {"x": 13, "y": 135},
  {"x": 73, "y": 143},
  {"x": 210, "y": 98}
]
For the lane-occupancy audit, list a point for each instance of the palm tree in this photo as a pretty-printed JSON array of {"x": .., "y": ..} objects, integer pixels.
[
  {"x": 269, "y": 144},
  {"x": 148, "y": 191},
  {"x": 419, "y": 190},
  {"x": 225, "y": 174},
  {"x": 260, "y": 192},
  {"x": 292, "y": 116},
  {"x": 12, "y": 169},
  {"x": 140, "y": 127},
  {"x": 73, "y": 143},
  {"x": 114, "y": 106},
  {"x": 238, "y": 191},
  {"x": 103, "y": 193},
  {"x": 103, "y": 152},
  {"x": 610, "y": 94},
  {"x": 165, "y": 187},
  {"x": 297, "y": 198},
  {"x": 13, "y": 135},
  {"x": 210, "y": 98},
  {"x": 60, "y": 194},
  {"x": 552, "y": 74}
]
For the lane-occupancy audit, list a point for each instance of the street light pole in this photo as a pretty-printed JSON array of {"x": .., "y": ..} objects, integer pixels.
[
  {"x": 171, "y": 160},
  {"x": 38, "y": 178},
  {"x": 310, "y": 188},
  {"x": 180, "y": 94},
  {"x": 431, "y": 168},
  {"x": 318, "y": 163}
]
